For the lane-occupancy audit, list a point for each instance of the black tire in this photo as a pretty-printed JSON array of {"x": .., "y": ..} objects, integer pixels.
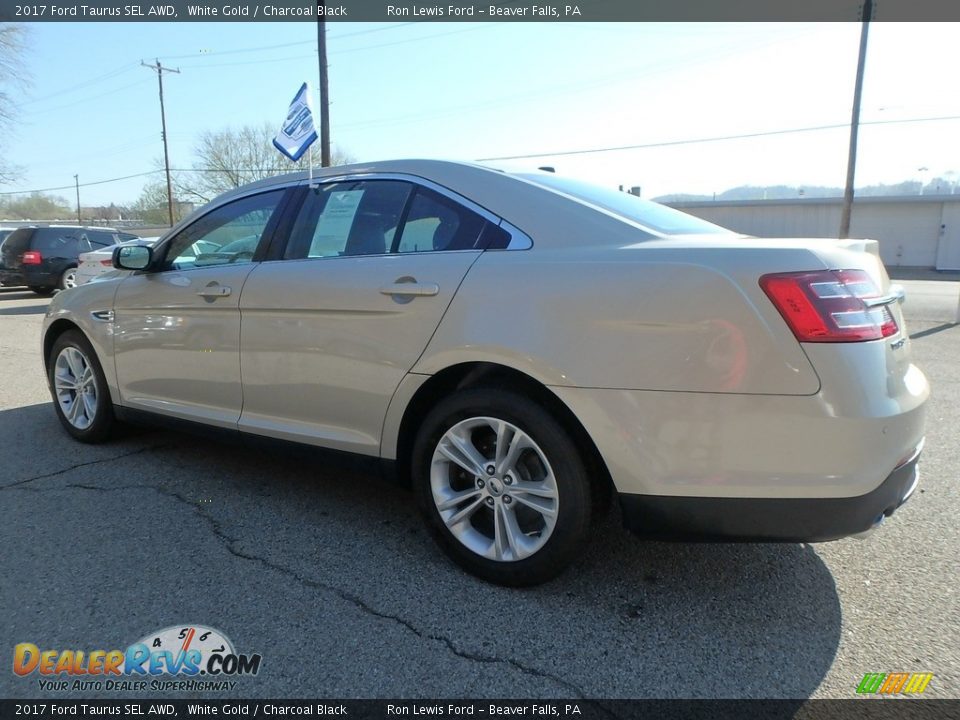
[
  {"x": 572, "y": 486},
  {"x": 102, "y": 424},
  {"x": 69, "y": 272},
  {"x": 42, "y": 290}
]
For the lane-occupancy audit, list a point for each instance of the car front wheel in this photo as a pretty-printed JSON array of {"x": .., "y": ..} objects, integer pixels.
[
  {"x": 79, "y": 388},
  {"x": 502, "y": 486}
]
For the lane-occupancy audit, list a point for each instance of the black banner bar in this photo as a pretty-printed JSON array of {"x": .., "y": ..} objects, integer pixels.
[
  {"x": 854, "y": 709},
  {"x": 470, "y": 11}
]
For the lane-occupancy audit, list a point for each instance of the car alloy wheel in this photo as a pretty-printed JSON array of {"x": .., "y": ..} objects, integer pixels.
[
  {"x": 75, "y": 386},
  {"x": 502, "y": 485},
  {"x": 494, "y": 489},
  {"x": 79, "y": 388},
  {"x": 69, "y": 279}
]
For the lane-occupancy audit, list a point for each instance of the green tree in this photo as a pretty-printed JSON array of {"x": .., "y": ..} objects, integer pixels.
[{"x": 36, "y": 206}]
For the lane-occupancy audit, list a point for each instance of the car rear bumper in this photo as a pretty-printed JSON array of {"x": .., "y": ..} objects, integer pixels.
[
  {"x": 29, "y": 276},
  {"x": 11, "y": 278},
  {"x": 769, "y": 519}
]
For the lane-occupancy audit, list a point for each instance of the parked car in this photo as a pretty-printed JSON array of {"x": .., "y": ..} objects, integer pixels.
[
  {"x": 4, "y": 231},
  {"x": 46, "y": 258},
  {"x": 97, "y": 263},
  {"x": 518, "y": 346}
]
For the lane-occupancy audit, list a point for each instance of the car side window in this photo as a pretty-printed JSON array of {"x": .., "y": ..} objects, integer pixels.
[
  {"x": 228, "y": 235},
  {"x": 101, "y": 238},
  {"x": 348, "y": 218},
  {"x": 438, "y": 223},
  {"x": 57, "y": 242}
]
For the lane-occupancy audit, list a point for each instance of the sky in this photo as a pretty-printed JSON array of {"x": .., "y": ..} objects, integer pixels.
[{"x": 489, "y": 90}]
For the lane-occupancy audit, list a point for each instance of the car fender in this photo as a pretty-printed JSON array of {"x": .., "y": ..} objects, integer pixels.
[{"x": 89, "y": 307}]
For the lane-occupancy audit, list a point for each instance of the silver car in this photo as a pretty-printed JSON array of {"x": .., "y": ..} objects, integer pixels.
[
  {"x": 521, "y": 347},
  {"x": 97, "y": 263}
]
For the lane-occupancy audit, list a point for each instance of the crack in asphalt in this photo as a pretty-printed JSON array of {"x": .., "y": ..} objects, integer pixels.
[
  {"x": 19, "y": 483},
  {"x": 228, "y": 543}
]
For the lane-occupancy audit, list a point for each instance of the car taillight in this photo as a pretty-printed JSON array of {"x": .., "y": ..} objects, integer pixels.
[
  {"x": 31, "y": 257},
  {"x": 831, "y": 305},
  {"x": 107, "y": 263}
]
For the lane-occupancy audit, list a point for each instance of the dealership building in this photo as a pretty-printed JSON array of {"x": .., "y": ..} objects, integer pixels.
[{"x": 921, "y": 231}]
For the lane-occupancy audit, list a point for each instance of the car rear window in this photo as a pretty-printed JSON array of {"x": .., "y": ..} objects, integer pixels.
[
  {"x": 18, "y": 241},
  {"x": 656, "y": 217}
]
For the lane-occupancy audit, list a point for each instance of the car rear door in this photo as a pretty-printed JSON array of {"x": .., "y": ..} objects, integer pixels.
[
  {"x": 177, "y": 327},
  {"x": 333, "y": 323},
  {"x": 12, "y": 250}
]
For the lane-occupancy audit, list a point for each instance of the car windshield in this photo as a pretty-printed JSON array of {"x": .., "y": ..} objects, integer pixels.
[{"x": 656, "y": 217}]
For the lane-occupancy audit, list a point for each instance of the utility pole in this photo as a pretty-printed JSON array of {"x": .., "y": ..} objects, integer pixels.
[
  {"x": 324, "y": 89},
  {"x": 160, "y": 70},
  {"x": 855, "y": 122},
  {"x": 76, "y": 179}
]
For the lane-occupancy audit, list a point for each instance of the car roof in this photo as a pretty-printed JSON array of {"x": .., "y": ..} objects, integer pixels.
[{"x": 555, "y": 218}]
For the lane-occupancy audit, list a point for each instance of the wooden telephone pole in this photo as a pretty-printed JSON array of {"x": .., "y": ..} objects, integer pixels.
[
  {"x": 324, "y": 89},
  {"x": 76, "y": 179},
  {"x": 160, "y": 70},
  {"x": 855, "y": 122}
]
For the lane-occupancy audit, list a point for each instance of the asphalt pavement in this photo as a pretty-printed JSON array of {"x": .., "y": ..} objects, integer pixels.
[{"x": 327, "y": 572}]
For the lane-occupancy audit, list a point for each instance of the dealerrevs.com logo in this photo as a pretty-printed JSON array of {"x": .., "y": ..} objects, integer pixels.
[
  {"x": 894, "y": 683},
  {"x": 181, "y": 657}
]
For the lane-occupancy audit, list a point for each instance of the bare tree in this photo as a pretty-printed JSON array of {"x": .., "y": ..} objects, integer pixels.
[
  {"x": 12, "y": 78},
  {"x": 151, "y": 206},
  {"x": 229, "y": 158}
]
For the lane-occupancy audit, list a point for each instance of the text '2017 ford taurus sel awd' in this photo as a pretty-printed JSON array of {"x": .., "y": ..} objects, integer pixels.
[{"x": 519, "y": 346}]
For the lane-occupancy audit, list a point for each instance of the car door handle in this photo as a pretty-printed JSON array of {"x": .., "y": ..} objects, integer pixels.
[
  {"x": 214, "y": 291},
  {"x": 415, "y": 289}
]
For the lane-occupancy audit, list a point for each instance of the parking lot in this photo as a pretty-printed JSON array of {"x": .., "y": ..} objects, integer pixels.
[{"x": 327, "y": 573}]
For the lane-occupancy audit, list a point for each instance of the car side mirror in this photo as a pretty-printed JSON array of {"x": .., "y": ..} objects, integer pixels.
[{"x": 132, "y": 257}]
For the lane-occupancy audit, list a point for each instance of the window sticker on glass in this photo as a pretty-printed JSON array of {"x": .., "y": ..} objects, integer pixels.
[{"x": 334, "y": 224}]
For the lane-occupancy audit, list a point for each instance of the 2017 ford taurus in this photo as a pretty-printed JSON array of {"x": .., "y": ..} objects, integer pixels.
[{"x": 519, "y": 346}]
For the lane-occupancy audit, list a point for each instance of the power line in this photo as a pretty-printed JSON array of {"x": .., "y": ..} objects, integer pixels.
[
  {"x": 81, "y": 101},
  {"x": 521, "y": 157},
  {"x": 100, "y": 78},
  {"x": 260, "y": 48},
  {"x": 717, "y": 138},
  {"x": 409, "y": 40},
  {"x": 362, "y": 48},
  {"x": 249, "y": 62},
  {"x": 86, "y": 184}
]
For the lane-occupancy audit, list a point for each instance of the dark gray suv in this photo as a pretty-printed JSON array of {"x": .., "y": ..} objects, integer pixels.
[{"x": 46, "y": 258}]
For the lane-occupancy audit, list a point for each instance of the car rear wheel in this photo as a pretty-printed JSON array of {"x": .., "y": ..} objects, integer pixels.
[
  {"x": 502, "y": 486},
  {"x": 79, "y": 389},
  {"x": 68, "y": 279}
]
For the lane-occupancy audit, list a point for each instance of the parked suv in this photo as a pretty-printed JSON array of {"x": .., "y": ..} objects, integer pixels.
[{"x": 46, "y": 258}]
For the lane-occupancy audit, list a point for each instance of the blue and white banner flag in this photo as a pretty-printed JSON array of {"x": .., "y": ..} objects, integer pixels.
[{"x": 297, "y": 132}]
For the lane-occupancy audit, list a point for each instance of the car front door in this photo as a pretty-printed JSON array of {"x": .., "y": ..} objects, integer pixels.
[
  {"x": 177, "y": 326},
  {"x": 331, "y": 327}
]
